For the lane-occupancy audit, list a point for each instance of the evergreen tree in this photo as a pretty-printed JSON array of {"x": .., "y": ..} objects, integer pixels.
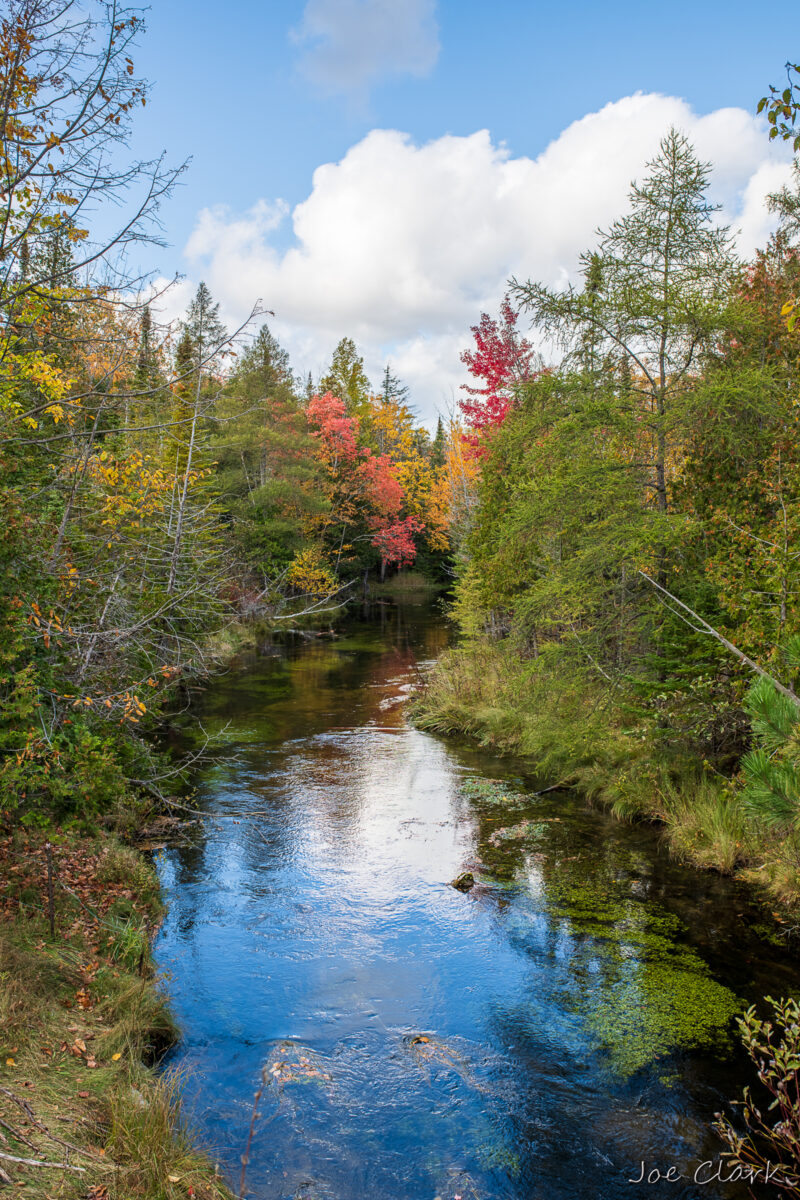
[
  {"x": 267, "y": 471},
  {"x": 771, "y": 769},
  {"x": 393, "y": 390},
  {"x": 655, "y": 296},
  {"x": 347, "y": 380},
  {"x": 439, "y": 445},
  {"x": 204, "y": 329}
]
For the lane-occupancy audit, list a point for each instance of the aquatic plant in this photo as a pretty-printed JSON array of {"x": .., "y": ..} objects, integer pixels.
[
  {"x": 516, "y": 833},
  {"x": 642, "y": 991},
  {"x": 493, "y": 791}
]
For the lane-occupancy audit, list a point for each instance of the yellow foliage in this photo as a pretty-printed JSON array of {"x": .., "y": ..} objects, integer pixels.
[
  {"x": 310, "y": 574},
  {"x": 132, "y": 487},
  {"x": 392, "y": 425}
]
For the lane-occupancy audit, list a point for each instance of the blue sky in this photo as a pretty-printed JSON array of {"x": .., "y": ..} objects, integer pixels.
[{"x": 259, "y": 107}]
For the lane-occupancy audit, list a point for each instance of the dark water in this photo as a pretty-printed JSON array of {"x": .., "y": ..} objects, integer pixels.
[{"x": 575, "y": 1004}]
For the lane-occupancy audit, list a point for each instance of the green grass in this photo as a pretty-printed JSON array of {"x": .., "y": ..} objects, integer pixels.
[{"x": 573, "y": 733}]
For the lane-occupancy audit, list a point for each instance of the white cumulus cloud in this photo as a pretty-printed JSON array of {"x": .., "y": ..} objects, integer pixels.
[
  {"x": 347, "y": 45},
  {"x": 401, "y": 246}
]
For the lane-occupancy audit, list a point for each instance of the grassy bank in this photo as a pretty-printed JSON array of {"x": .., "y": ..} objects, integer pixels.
[
  {"x": 406, "y": 583},
  {"x": 83, "y": 1113},
  {"x": 582, "y": 735}
]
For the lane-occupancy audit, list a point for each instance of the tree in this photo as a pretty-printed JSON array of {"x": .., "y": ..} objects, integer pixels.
[
  {"x": 347, "y": 379},
  {"x": 783, "y": 108},
  {"x": 655, "y": 297},
  {"x": 200, "y": 349},
  {"x": 68, "y": 91},
  {"x": 393, "y": 390},
  {"x": 503, "y": 360},
  {"x": 268, "y": 472},
  {"x": 438, "y": 445}
]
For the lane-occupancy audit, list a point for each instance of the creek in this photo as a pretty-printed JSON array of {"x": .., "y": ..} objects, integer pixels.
[{"x": 540, "y": 1036}]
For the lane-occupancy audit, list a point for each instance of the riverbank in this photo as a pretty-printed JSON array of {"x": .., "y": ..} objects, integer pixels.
[
  {"x": 83, "y": 1112},
  {"x": 577, "y": 734}
]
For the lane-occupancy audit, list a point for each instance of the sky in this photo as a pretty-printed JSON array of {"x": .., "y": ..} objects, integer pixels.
[{"x": 379, "y": 168}]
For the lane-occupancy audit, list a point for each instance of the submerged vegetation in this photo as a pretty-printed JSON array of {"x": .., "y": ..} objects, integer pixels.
[{"x": 643, "y": 991}]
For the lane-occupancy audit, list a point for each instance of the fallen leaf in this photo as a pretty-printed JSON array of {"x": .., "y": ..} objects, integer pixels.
[
  {"x": 174, "y": 1178},
  {"x": 116, "y": 1057},
  {"x": 10, "y": 1062},
  {"x": 83, "y": 1095}
]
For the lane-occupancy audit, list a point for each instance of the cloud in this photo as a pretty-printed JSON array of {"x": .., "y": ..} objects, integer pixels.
[
  {"x": 401, "y": 246},
  {"x": 347, "y": 45}
]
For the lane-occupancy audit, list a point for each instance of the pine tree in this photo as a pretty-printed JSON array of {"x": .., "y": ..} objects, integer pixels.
[{"x": 771, "y": 770}]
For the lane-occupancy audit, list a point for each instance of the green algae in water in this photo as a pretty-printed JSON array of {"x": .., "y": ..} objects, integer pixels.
[
  {"x": 494, "y": 1156},
  {"x": 643, "y": 992},
  {"x": 493, "y": 791},
  {"x": 516, "y": 833},
  {"x": 655, "y": 1009}
]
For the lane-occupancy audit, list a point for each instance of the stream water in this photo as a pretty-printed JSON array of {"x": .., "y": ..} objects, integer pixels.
[{"x": 541, "y": 1036}]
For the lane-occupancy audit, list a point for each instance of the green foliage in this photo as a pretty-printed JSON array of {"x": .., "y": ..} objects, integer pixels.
[
  {"x": 782, "y": 108},
  {"x": 771, "y": 770},
  {"x": 662, "y": 450},
  {"x": 347, "y": 379},
  {"x": 266, "y": 469},
  {"x": 768, "y": 1148}
]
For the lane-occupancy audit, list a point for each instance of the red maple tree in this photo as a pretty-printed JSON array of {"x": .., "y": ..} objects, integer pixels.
[{"x": 502, "y": 359}]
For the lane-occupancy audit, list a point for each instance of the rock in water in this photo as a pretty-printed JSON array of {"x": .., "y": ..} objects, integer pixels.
[{"x": 463, "y": 882}]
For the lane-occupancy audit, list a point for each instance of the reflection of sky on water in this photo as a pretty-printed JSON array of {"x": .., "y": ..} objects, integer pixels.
[{"x": 314, "y": 919}]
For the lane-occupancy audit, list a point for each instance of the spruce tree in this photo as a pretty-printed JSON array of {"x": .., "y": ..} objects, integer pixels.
[
  {"x": 393, "y": 390},
  {"x": 438, "y": 445}
]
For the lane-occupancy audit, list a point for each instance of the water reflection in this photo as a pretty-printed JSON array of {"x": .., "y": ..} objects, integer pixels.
[{"x": 528, "y": 1039}]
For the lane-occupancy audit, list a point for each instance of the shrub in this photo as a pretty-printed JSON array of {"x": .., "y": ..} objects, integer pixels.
[{"x": 769, "y": 1148}]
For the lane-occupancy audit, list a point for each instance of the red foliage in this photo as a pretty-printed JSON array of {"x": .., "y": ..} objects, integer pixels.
[
  {"x": 368, "y": 478},
  {"x": 395, "y": 542},
  {"x": 501, "y": 359},
  {"x": 326, "y": 416},
  {"x": 392, "y": 538},
  {"x": 384, "y": 492}
]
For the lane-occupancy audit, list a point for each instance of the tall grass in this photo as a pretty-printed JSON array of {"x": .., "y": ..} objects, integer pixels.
[{"x": 574, "y": 732}]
